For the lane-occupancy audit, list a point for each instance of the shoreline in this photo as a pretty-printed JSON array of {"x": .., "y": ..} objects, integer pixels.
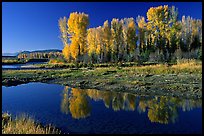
[{"x": 146, "y": 80}]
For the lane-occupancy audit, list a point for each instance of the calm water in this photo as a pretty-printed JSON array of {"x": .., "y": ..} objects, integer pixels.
[
  {"x": 18, "y": 66},
  {"x": 91, "y": 111}
]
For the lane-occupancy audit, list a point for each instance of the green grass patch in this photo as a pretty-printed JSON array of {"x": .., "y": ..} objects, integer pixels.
[{"x": 159, "y": 77}]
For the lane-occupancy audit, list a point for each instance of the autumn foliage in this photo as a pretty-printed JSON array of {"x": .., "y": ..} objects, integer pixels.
[{"x": 128, "y": 39}]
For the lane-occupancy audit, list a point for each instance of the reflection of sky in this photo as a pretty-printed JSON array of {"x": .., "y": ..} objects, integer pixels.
[
  {"x": 43, "y": 101},
  {"x": 16, "y": 66},
  {"x": 11, "y": 66}
]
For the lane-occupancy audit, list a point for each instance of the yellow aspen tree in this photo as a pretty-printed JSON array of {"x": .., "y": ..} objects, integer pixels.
[
  {"x": 125, "y": 43},
  {"x": 92, "y": 43},
  {"x": 173, "y": 32},
  {"x": 131, "y": 36},
  {"x": 99, "y": 47},
  {"x": 64, "y": 37},
  {"x": 141, "y": 27},
  {"x": 107, "y": 40},
  {"x": 196, "y": 25},
  {"x": 159, "y": 23},
  {"x": 74, "y": 48},
  {"x": 117, "y": 39},
  {"x": 66, "y": 52},
  {"x": 77, "y": 30}
]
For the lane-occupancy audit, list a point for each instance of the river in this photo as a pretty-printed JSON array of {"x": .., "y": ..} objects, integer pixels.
[{"x": 92, "y": 111}]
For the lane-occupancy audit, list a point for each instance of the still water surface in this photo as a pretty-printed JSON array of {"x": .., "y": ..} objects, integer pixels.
[
  {"x": 91, "y": 111},
  {"x": 19, "y": 66}
]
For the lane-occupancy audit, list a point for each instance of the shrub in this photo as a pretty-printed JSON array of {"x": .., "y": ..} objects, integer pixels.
[
  {"x": 144, "y": 56},
  {"x": 24, "y": 125},
  {"x": 56, "y": 61}
]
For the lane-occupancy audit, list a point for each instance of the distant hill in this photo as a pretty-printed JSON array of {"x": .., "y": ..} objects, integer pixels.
[
  {"x": 27, "y": 52},
  {"x": 13, "y": 55},
  {"x": 42, "y": 51}
]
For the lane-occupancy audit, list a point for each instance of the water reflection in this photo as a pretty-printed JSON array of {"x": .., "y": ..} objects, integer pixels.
[
  {"x": 76, "y": 102},
  {"x": 159, "y": 109}
]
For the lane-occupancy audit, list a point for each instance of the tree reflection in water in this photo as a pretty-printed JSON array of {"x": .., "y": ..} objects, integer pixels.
[
  {"x": 75, "y": 101},
  {"x": 65, "y": 100},
  {"x": 159, "y": 109}
]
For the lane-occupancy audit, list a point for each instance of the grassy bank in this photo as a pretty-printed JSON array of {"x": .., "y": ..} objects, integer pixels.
[
  {"x": 55, "y": 64},
  {"x": 183, "y": 79},
  {"x": 12, "y": 61},
  {"x": 24, "y": 125},
  {"x": 20, "y": 61}
]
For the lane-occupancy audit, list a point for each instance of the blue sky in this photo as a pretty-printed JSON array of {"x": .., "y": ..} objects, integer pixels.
[{"x": 34, "y": 25}]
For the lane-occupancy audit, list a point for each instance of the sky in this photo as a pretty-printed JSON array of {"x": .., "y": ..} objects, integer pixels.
[{"x": 34, "y": 25}]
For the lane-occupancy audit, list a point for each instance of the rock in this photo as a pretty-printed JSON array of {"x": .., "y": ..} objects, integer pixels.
[
  {"x": 118, "y": 75},
  {"x": 90, "y": 68},
  {"x": 148, "y": 75},
  {"x": 148, "y": 88},
  {"x": 97, "y": 83},
  {"x": 196, "y": 87},
  {"x": 83, "y": 82}
]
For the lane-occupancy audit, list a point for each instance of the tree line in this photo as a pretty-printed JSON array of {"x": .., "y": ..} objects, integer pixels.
[
  {"x": 130, "y": 39},
  {"x": 40, "y": 55}
]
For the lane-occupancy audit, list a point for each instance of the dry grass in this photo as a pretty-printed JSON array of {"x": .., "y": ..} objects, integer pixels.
[
  {"x": 56, "y": 61},
  {"x": 24, "y": 125},
  {"x": 182, "y": 66},
  {"x": 10, "y": 61},
  {"x": 187, "y": 64}
]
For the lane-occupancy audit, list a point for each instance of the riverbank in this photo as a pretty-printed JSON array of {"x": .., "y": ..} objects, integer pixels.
[
  {"x": 14, "y": 61},
  {"x": 181, "y": 80},
  {"x": 24, "y": 125}
]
